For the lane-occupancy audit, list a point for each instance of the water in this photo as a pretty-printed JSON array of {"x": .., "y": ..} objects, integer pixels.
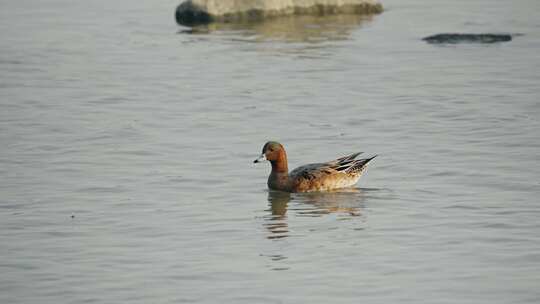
[{"x": 127, "y": 146}]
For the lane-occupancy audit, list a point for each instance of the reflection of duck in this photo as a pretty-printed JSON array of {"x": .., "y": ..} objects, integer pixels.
[
  {"x": 292, "y": 29},
  {"x": 346, "y": 201},
  {"x": 277, "y": 221},
  {"x": 314, "y": 204},
  {"x": 278, "y": 202},
  {"x": 340, "y": 173}
]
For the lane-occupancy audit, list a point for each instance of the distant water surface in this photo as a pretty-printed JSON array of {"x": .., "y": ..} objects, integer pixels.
[{"x": 127, "y": 142}]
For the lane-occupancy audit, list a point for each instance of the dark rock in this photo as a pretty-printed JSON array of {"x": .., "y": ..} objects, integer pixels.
[
  {"x": 190, "y": 15},
  {"x": 467, "y": 38}
]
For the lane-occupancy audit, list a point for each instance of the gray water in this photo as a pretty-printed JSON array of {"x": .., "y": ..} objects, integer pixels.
[{"x": 127, "y": 142}]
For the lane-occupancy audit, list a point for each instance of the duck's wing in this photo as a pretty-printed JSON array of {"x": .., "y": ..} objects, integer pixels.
[
  {"x": 346, "y": 164},
  {"x": 311, "y": 171}
]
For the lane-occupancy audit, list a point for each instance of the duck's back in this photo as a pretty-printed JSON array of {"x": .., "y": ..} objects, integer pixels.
[{"x": 340, "y": 173}]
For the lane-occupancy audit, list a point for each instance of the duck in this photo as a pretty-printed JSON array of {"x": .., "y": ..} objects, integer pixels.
[{"x": 340, "y": 173}]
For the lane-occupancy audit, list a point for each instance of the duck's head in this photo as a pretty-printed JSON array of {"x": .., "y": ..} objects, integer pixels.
[{"x": 272, "y": 151}]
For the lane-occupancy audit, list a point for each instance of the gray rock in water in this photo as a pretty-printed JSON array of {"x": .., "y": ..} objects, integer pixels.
[
  {"x": 468, "y": 38},
  {"x": 194, "y": 12}
]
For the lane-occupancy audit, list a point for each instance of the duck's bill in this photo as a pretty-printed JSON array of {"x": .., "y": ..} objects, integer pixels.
[{"x": 260, "y": 159}]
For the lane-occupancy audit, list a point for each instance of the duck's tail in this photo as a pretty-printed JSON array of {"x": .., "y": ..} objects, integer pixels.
[
  {"x": 359, "y": 165},
  {"x": 348, "y": 158}
]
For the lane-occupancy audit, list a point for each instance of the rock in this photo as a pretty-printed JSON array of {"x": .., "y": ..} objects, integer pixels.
[
  {"x": 193, "y": 12},
  {"x": 467, "y": 38}
]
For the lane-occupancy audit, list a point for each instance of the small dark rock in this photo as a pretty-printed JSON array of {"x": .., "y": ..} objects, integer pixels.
[
  {"x": 189, "y": 15},
  {"x": 467, "y": 38}
]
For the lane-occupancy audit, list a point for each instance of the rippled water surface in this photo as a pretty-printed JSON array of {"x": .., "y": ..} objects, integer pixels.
[{"x": 127, "y": 142}]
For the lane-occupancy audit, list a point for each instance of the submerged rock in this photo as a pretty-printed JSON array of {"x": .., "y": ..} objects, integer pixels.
[
  {"x": 193, "y": 12},
  {"x": 468, "y": 38}
]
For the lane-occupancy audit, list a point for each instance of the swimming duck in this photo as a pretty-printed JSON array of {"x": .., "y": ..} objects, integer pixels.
[{"x": 340, "y": 173}]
